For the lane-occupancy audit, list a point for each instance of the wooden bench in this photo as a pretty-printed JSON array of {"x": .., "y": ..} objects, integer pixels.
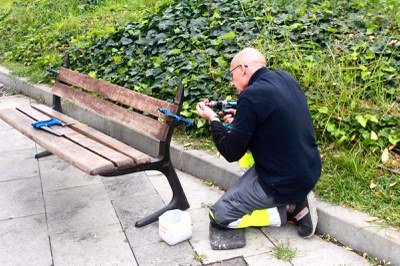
[{"x": 92, "y": 151}]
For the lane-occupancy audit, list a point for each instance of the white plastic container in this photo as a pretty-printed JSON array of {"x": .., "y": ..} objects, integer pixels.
[{"x": 175, "y": 226}]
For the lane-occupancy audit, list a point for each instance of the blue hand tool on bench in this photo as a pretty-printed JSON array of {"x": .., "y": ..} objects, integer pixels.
[{"x": 46, "y": 124}]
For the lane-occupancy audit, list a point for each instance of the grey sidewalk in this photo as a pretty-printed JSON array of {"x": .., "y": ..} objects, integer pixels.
[{"x": 52, "y": 213}]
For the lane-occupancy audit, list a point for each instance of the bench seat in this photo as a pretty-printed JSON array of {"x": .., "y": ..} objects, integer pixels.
[{"x": 90, "y": 150}]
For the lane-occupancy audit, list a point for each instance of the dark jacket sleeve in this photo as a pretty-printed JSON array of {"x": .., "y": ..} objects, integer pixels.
[{"x": 230, "y": 145}]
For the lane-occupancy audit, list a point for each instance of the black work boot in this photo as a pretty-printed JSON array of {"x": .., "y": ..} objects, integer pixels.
[{"x": 305, "y": 216}]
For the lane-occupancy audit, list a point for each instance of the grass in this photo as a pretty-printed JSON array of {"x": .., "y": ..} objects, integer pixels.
[
  {"x": 200, "y": 258},
  {"x": 42, "y": 31},
  {"x": 284, "y": 252},
  {"x": 189, "y": 141},
  {"x": 353, "y": 178},
  {"x": 35, "y": 74}
]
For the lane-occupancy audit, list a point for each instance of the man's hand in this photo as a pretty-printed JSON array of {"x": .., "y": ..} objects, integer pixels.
[
  {"x": 229, "y": 115},
  {"x": 204, "y": 111}
]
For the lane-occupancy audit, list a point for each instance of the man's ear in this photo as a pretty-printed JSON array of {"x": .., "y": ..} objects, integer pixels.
[{"x": 243, "y": 69}]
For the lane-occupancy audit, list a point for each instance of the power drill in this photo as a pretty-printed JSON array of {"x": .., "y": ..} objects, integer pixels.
[{"x": 224, "y": 105}]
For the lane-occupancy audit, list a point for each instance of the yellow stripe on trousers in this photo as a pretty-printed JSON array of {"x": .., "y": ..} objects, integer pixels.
[{"x": 256, "y": 218}]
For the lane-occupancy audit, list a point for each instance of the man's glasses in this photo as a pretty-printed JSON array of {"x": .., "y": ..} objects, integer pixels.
[{"x": 228, "y": 74}]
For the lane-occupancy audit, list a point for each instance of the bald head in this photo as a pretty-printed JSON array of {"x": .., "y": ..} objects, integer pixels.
[
  {"x": 250, "y": 56},
  {"x": 244, "y": 65}
]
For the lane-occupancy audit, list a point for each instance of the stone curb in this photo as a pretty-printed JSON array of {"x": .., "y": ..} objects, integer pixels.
[{"x": 344, "y": 224}]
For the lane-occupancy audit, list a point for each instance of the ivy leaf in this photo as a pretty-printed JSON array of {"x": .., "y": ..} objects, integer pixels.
[
  {"x": 229, "y": 36},
  {"x": 157, "y": 60},
  {"x": 362, "y": 67},
  {"x": 200, "y": 123},
  {"x": 393, "y": 139},
  {"x": 330, "y": 127},
  {"x": 117, "y": 58},
  {"x": 125, "y": 41},
  {"x": 92, "y": 74},
  {"x": 110, "y": 42},
  {"x": 362, "y": 120},
  {"x": 323, "y": 110},
  {"x": 353, "y": 105},
  {"x": 221, "y": 61},
  {"x": 389, "y": 69},
  {"x": 369, "y": 54},
  {"x": 212, "y": 52}
]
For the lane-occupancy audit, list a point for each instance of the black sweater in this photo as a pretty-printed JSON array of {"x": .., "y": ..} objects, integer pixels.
[{"x": 273, "y": 121}]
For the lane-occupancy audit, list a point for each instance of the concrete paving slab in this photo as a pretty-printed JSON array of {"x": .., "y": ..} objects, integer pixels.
[
  {"x": 141, "y": 236},
  {"x": 57, "y": 174},
  {"x": 128, "y": 186},
  {"x": 20, "y": 197},
  {"x": 313, "y": 251},
  {"x": 14, "y": 101},
  {"x": 78, "y": 208},
  {"x": 18, "y": 164},
  {"x": 133, "y": 198},
  {"x": 15, "y": 141},
  {"x": 160, "y": 184},
  {"x": 131, "y": 210},
  {"x": 162, "y": 254},
  {"x": 25, "y": 241},
  {"x": 104, "y": 245},
  {"x": 200, "y": 220}
]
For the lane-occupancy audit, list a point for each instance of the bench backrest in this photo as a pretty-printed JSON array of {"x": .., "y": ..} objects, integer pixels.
[{"x": 140, "y": 112}]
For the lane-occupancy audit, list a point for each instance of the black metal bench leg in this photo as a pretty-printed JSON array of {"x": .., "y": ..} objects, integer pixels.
[
  {"x": 42, "y": 154},
  {"x": 178, "y": 201}
]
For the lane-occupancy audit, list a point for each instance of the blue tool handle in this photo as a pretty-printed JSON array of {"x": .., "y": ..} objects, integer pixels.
[
  {"x": 176, "y": 117},
  {"x": 47, "y": 123},
  {"x": 52, "y": 71}
]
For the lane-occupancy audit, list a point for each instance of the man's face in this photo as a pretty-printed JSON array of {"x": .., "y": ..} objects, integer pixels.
[{"x": 239, "y": 78}]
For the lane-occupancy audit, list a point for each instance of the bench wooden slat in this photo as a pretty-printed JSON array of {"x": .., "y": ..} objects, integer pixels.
[
  {"x": 69, "y": 151},
  {"x": 114, "y": 92},
  {"x": 118, "y": 159},
  {"x": 138, "y": 156},
  {"x": 116, "y": 113}
]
